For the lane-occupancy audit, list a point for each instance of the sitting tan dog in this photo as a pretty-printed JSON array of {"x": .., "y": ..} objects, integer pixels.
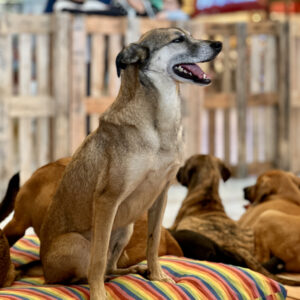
[
  {"x": 125, "y": 167},
  {"x": 202, "y": 211},
  {"x": 34, "y": 198},
  {"x": 274, "y": 215}
]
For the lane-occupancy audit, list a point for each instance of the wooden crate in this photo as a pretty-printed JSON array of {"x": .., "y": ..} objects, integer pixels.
[
  {"x": 33, "y": 91},
  {"x": 58, "y": 75},
  {"x": 237, "y": 118}
]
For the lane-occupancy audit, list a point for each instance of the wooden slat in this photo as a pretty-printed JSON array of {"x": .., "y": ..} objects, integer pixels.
[
  {"x": 241, "y": 97},
  {"x": 97, "y": 73},
  {"x": 114, "y": 46},
  {"x": 106, "y": 25},
  {"x": 219, "y": 100},
  {"x": 262, "y": 28},
  {"x": 255, "y": 168},
  {"x": 78, "y": 83},
  {"x": 31, "y": 106},
  {"x": 97, "y": 105},
  {"x": 263, "y": 99},
  {"x": 149, "y": 24},
  {"x": 22, "y": 23},
  {"x": 61, "y": 81},
  {"x": 211, "y": 131},
  {"x": 25, "y": 123},
  {"x": 284, "y": 158},
  {"x": 227, "y": 100},
  {"x": 6, "y": 133},
  {"x": 227, "y": 88},
  {"x": 43, "y": 82}
]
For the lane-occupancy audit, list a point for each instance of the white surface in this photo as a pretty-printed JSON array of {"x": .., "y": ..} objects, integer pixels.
[{"x": 231, "y": 193}]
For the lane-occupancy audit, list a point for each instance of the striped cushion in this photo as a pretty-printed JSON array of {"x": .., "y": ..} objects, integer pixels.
[{"x": 194, "y": 280}]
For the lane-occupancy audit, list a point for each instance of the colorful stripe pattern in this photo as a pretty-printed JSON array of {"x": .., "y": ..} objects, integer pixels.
[{"x": 194, "y": 280}]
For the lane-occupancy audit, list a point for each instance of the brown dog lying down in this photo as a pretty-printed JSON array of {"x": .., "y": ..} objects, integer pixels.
[
  {"x": 275, "y": 217},
  {"x": 202, "y": 211},
  {"x": 7, "y": 270},
  {"x": 35, "y": 196}
]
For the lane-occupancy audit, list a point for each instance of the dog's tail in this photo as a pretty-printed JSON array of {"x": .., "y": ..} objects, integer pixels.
[
  {"x": 255, "y": 265},
  {"x": 8, "y": 202}
]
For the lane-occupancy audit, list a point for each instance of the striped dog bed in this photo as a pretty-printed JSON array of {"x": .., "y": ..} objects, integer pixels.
[{"x": 194, "y": 280}]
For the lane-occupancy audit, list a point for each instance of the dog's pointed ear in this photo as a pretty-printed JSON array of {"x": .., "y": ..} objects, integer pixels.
[
  {"x": 224, "y": 170},
  {"x": 132, "y": 54}
]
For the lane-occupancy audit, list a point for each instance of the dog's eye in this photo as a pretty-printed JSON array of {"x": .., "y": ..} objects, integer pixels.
[{"x": 179, "y": 39}]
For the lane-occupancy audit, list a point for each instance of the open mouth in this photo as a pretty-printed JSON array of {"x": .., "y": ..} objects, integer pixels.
[{"x": 192, "y": 72}]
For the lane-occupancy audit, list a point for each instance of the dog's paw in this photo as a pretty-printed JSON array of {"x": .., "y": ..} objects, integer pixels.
[
  {"x": 161, "y": 276},
  {"x": 99, "y": 294},
  {"x": 139, "y": 269}
]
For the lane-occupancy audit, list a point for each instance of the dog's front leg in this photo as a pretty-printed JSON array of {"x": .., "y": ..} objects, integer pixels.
[
  {"x": 104, "y": 212},
  {"x": 155, "y": 215}
]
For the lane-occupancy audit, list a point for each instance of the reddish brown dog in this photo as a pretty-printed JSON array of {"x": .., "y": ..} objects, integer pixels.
[
  {"x": 35, "y": 196},
  {"x": 202, "y": 211},
  {"x": 7, "y": 270},
  {"x": 275, "y": 217}
]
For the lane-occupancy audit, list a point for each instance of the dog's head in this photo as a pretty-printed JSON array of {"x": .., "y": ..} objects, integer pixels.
[
  {"x": 199, "y": 168},
  {"x": 170, "y": 52},
  {"x": 274, "y": 182}
]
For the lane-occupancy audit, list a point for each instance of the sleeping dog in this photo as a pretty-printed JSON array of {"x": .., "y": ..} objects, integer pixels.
[{"x": 202, "y": 211}]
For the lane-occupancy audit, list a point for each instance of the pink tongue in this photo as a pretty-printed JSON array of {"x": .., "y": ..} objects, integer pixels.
[{"x": 194, "y": 69}]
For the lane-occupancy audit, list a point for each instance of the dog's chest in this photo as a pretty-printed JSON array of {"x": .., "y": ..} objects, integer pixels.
[{"x": 146, "y": 179}]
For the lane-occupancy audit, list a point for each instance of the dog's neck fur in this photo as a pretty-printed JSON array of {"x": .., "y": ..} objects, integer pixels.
[
  {"x": 202, "y": 198},
  {"x": 157, "y": 98}
]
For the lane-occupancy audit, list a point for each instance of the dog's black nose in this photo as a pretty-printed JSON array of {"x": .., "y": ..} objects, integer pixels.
[{"x": 216, "y": 45}]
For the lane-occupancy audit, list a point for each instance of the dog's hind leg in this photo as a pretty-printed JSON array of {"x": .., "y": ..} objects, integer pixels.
[
  {"x": 67, "y": 259},
  {"x": 15, "y": 230},
  {"x": 155, "y": 215},
  {"x": 119, "y": 240}
]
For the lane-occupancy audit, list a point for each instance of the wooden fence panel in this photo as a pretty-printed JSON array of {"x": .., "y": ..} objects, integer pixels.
[
  {"x": 43, "y": 88},
  {"x": 25, "y": 122},
  {"x": 243, "y": 117},
  {"x": 6, "y": 132},
  {"x": 61, "y": 84}
]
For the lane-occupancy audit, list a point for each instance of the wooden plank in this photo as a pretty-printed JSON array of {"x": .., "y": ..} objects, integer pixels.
[
  {"x": 97, "y": 74},
  {"x": 227, "y": 100},
  {"x": 284, "y": 158},
  {"x": 241, "y": 96},
  {"x": 106, "y": 25},
  {"x": 270, "y": 66},
  {"x": 61, "y": 81},
  {"x": 6, "y": 134},
  {"x": 149, "y": 24},
  {"x": 114, "y": 46},
  {"x": 211, "y": 131},
  {"x": 78, "y": 83},
  {"x": 22, "y": 23},
  {"x": 25, "y": 123},
  {"x": 263, "y": 99},
  {"x": 97, "y": 105},
  {"x": 219, "y": 100},
  {"x": 255, "y": 168},
  {"x": 43, "y": 75},
  {"x": 31, "y": 106},
  {"x": 262, "y": 28},
  {"x": 227, "y": 88}
]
